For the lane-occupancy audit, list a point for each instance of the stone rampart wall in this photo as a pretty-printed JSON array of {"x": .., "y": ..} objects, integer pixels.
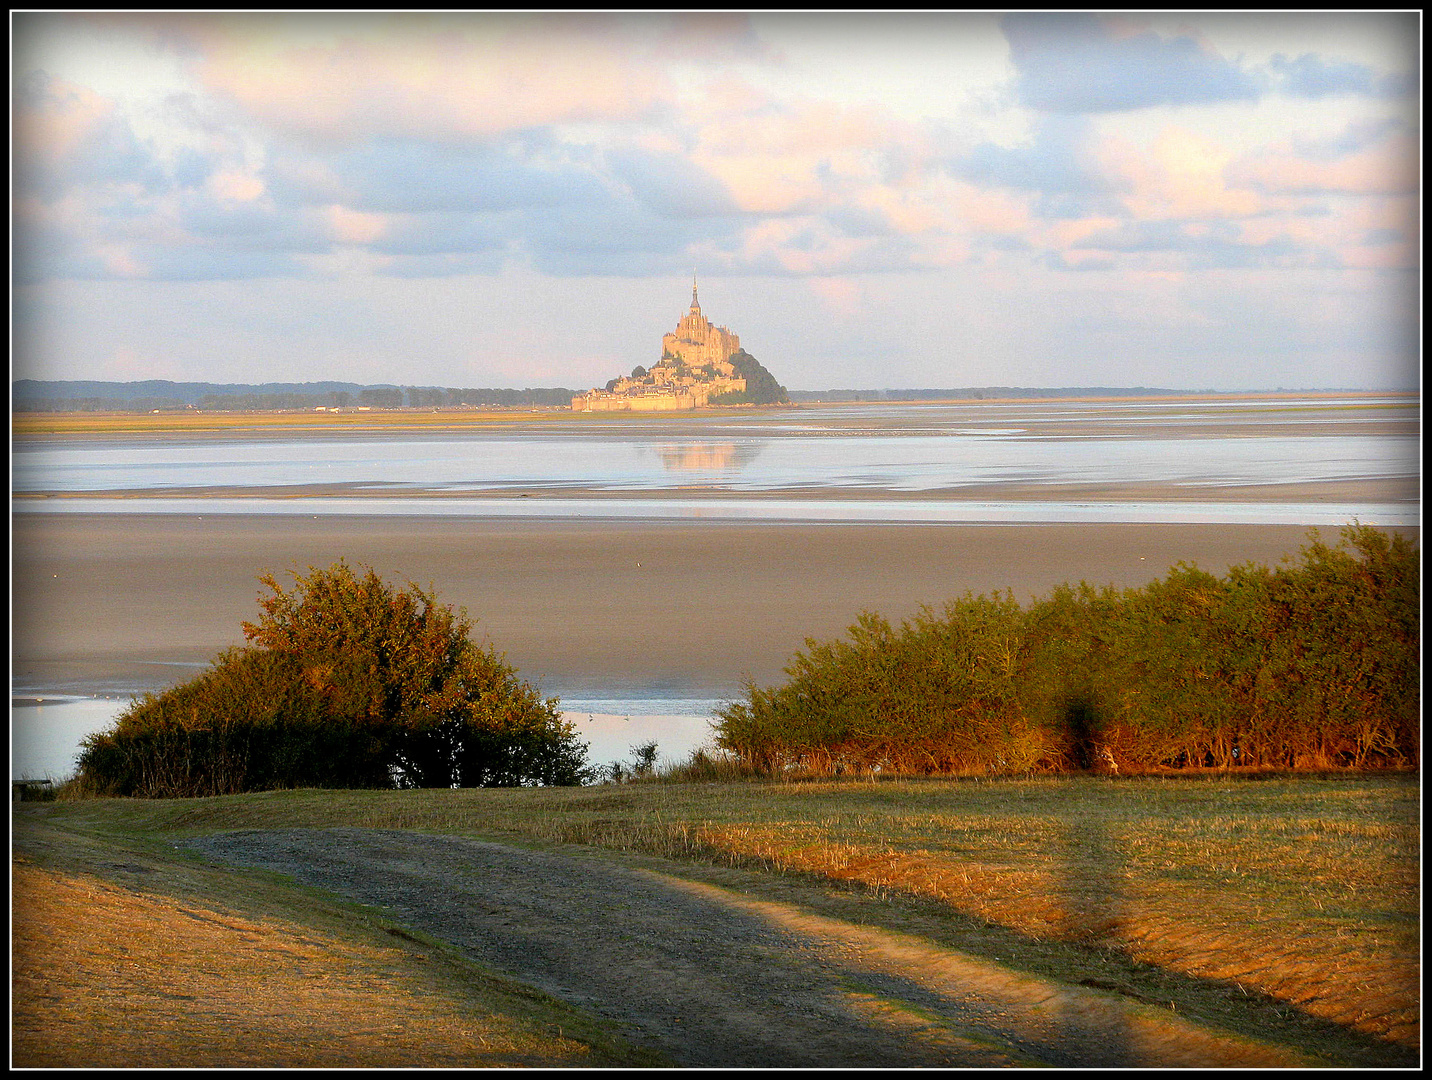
[{"x": 605, "y": 402}]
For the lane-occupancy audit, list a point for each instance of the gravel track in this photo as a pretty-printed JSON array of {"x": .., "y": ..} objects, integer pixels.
[{"x": 712, "y": 977}]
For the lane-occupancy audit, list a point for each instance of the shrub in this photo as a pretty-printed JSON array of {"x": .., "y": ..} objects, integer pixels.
[
  {"x": 1307, "y": 666},
  {"x": 346, "y": 682}
]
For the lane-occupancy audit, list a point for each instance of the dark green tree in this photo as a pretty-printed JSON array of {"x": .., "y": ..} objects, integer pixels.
[
  {"x": 761, "y": 385},
  {"x": 347, "y": 682}
]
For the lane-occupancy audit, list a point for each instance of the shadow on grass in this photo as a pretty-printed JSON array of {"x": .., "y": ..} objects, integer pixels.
[{"x": 1078, "y": 953}]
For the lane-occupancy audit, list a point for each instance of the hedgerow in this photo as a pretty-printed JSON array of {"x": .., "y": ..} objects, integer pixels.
[{"x": 1306, "y": 666}]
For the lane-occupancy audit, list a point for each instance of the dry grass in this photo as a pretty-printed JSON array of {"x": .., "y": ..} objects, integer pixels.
[
  {"x": 1306, "y": 891},
  {"x": 1255, "y": 901},
  {"x": 122, "y": 957}
]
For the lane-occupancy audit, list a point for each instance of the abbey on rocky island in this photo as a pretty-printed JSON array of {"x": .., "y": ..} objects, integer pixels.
[{"x": 695, "y": 366}]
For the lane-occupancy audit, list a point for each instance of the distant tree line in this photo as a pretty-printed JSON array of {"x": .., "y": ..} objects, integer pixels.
[
  {"x": 35, "y": 396},
  {"x": 30, "y": 395},
  {"x": 449, "y": 397},
  {"x": 1307, "y": 666},
  {"x": 98, "y": 404},
  {"x": 979, "y": 393}
]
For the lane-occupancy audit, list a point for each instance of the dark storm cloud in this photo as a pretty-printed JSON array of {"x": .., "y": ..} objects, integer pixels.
[{"x": 1076, "y": 63}]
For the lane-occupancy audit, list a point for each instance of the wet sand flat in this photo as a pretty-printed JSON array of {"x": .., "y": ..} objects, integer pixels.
[{"x": 120, "y": 602}]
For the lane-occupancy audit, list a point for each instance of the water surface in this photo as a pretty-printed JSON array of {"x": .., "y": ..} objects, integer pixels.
[
  {"x": 1195, "y": 450},
  {"x": 45, "y": 734}
]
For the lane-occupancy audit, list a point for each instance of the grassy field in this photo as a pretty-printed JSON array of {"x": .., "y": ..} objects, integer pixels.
[
  {"x": 350, "y": 419},
  {"x": 1281, "y": 908},
  {"x": 126, "y": 954}
]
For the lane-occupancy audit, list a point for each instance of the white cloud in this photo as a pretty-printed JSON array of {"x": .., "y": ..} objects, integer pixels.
[
  {"x": 236, "y": 186},
  {"x": 433, "y": 152}
]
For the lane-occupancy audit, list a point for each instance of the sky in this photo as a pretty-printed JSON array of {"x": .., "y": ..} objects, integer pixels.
[{"x": 1190, "y": 201}]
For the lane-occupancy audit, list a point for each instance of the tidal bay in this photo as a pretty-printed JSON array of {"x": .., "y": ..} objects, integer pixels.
[{"x": 625, "y": 562}]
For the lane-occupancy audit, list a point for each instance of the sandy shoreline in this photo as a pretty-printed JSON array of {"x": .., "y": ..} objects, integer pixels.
[
  {"x": 1377, "y": 411},
  {"x": 1364, "y": 491},
  {"x": 120, "y": 602}
]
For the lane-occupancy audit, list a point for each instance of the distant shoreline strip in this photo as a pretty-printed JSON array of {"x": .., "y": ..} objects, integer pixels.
[{"x": 786, "y": 511}]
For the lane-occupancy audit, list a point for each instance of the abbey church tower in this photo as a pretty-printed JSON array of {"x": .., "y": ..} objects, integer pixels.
[{"x": 695, "y": 342}]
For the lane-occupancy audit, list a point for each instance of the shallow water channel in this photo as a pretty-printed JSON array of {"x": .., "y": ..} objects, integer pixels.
[{"x": 46, "y": 732}]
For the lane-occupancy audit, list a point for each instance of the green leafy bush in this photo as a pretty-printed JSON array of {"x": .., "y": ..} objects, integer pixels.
[
  {"x": 346, "y": 683},
  {"x": 1312, "y": 665}
]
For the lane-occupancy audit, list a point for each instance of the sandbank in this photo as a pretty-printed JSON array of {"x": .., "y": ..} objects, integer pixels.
[{"x": 109, "y": 602}]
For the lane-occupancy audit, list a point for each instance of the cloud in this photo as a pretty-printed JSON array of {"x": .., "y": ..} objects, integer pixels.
[
  {"x": 354, "y": 226},
  {"x": 1075, "y": 63},
  {"x": 1181, "y": 176},
  {"x": 671, "y": 185},
  {"x": 1058, "y": 163},
  {"x": 441, "y": 264},
  {"x": 409, "y": 175},
  {"x": 1386, "y": 163},
  {"x": 213, "y": 263},
  {"x": 805, "y": 156},
  {"x": 1310, "y": 76},
  {"x": 1357, "y": 135},
  {"x": 235, "y": 185},
  {"x": 66, "y": 135},
  {"x": 626, "y": 147},
  {"x": 614, "y": 234},
  {"x": 1198, "y": 247},
  {"x": 435, "y": 78}
]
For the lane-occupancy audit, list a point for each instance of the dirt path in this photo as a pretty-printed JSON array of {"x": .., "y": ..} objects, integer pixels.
[{"x": 714, "y": 978}]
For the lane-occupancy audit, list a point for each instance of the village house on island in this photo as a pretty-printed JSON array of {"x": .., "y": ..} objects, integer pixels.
[{"x": 695, "y": 366}]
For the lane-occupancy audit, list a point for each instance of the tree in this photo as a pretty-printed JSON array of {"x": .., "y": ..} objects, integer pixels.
[
  {"x": 381, "y": 397},
  {"x": 638, "y": 372},
  {"x": 347, "y": 682},
  {"x": 761, "y": 385}
]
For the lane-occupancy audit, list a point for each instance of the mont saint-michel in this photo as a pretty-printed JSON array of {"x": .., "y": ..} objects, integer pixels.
[{"x": 701, "y": 365}]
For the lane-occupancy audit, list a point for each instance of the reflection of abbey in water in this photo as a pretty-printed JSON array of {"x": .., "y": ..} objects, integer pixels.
[
  {"x": 708, "y": 457},
  {"x": 700, "y": 365}
]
